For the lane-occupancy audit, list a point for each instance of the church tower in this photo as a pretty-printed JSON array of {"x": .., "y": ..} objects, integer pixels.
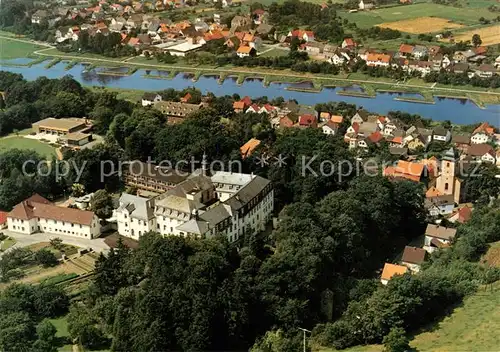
[{"x": 445, "y": 183}]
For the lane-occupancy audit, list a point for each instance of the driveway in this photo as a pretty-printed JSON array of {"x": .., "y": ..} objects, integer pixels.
[{"x": 23, "y": 240}]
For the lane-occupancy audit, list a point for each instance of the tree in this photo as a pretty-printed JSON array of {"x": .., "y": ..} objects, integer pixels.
[
  {"x": 46, "y": 258},
  {"x": 16, "y": 332},
  {"x": 396, "y": 341},
  {"x": 77, "y": 190},
  {"x": 476, "y": 40},
  {"x": 102, "y": 204},
  {"x": 2, "y": 102},
  {"x": 56, "y": 242},
  {"x": 46, "y": 331},
  {"x": 82, "y": 327}
]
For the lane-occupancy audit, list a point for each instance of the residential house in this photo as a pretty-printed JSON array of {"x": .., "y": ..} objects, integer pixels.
[
  {"x": 375, "y": 59},
  {"x": 286, "y": 122},
  {"x": 438, "y": 237},
  {"x": 3, "y": 220},
  {"x": 419, "y": 51},
  {"x": 406, "y": 170},
  {"x": 416, "y": 142},
  {"x": 245, "y": 51},
  {"x": 366, "y": 5},
  {"x": 392, "y": 125},
  {"x": 485, "y": 71},
  {"x": 241, "y": 105},
  {"x": 340, "y": 57},
  {"x": 39, "y": 16},
  {"x": 460, "y": 67},
  {"x": 37, "y": 214},
  {"x": 391, "y": 270},
  {"x": 264, "y": 30},
  {"x": 482, "y": 153},
  {"x": 330, "y": 128},
  {"x": 240, "y": 23},
  {"x": 308, "y": 120},
  {"x": 360, "y": 116},
  {"x": 259, "y": 16},
  {"x": 398, "y": 151},
  {"x": 307, "y": 36},
  {"x": 176, "y": 111},
  {"x": 461, "y": 141},
  {"x": 135, "y": 216},
  {"x": 484, "y": 133},
  {"x": 413, "y": 258},
  {"x": 463, "y": 56},
  {"x": 441, "y": 134},
  {"x": 405, "y": 50},
  {"x": 440, "y": 205},
  {"x": 462, "y": 215},
  {"x": 149, "y": 98},
  {"x": 248, "y": 148},
  {"x": 314, "y": 48},
  {"x": 349, "y": 44}
]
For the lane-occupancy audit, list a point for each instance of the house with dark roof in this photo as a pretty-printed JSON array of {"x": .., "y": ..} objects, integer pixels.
[
  {"x": 440, "y": 205},
  {"x": 441, "y": 134},
  {"x": 413, "y": 258},
  {"x": 482, "y": 153},
  {"x": 149, "y": 98},
  {"x": 438, "y": 237}
]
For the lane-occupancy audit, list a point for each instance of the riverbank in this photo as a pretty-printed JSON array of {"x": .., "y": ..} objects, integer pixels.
[{"x": 480, "y": 97}]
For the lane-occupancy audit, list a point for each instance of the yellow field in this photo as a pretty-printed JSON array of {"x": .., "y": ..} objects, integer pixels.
[
  {"x": 489, "y": 35},
  {"x": 421, "y": 25}
]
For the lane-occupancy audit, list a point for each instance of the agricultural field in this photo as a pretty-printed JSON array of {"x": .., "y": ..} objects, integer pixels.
[
  {"x": 489, "y": 35},
  {"x": 464, "y": 16},
  {"x": 421, "y": 25},
  {"x": 18, "y": 142}
]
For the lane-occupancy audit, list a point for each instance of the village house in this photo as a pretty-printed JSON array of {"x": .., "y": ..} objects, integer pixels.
[
  {"x": 413, "y": 258},
  {"x": 39, "y": 16},
  {"x": 391, "y": 270},
  {"x": 330, "y": 128},
  {"x": 485, "y": 71},
  {"x": 463, "y": 56},
  {"x": 405, "y": 50},
  {"x": 308, "y": 120},
  {"x": 245, "y": 51},
  {"x": 484, "y": 133},
  {"x": 482, "y": 153},
  {"x": 438, "y": 237},
  {"x": 307, "y": 36},
  {"x": 441, "y": 134},
  {"x": 461, "y": 141},
  {"x": 419, "y": 51},
  {"x": 37, "y": 214},
  {"x": 375, "y": 59},
  {"x": 149, "y": 98},
  {"x": 248, "y": 148},
  {"x": 366, "y": 5},
  {"x": 340, "y": 57},
  {"x": 406, "y": 170},
  {"x": 462, "y": 215},
  {"x": 440, "y": 205},
  {"x": 349, "y": 44}
]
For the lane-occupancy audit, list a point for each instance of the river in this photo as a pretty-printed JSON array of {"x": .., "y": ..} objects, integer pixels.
[{"x": 460, "y": 111}]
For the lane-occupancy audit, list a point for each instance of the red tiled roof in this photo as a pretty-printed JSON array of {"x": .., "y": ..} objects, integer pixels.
[
  {"x": 39, "y": 207},
  {"x": 349, "y": 42},
  {"x": 484, "y": 127},
  {"x": 3, "y": 217},
  {"x": 240, "y": 105},
  {"x": 405, "y": 169},
  {"x": 406, "y": 49},
  {"x": 247, "y": 100},
  {"x": 378, "y": 57},
  {"x": 391, "y": 270},
  {"x": 248, "y": 148},
  {"x": 376, "y": 137},
  {"x": 306, "y": 120}
]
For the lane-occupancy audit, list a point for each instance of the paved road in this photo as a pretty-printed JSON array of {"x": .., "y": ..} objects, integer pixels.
[
  {"x": 23, "y": 240},
  {"x": 234, "y": 70}
]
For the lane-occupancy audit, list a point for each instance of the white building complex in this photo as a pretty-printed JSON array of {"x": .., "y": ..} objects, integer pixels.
[
  {"x": 37, "y": 214},
  {"x": 225, "y": 203}
]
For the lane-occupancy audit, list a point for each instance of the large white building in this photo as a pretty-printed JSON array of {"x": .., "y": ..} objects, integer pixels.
[
  {"x": 37, "y": 214},
  {"x": 230, "y": 204}
]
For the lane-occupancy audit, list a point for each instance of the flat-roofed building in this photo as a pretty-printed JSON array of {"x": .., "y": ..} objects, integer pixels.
[
  {"x": 61, "y": 127},
  {"x": 151, "y": 177},
  {"x": 176, "y": 111},
  {"x": 76, "y": 139}
]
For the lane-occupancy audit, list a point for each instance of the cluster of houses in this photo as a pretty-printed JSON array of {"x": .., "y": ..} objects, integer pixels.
[{"x": 170, "y": 202}]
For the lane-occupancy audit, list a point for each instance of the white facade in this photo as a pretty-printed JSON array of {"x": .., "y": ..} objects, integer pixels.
[
  {"x": 480, "y": 138},
  {"x": 328, "y": 130},
  {"x": 441, "y": 138},
  {"x": 413, "y": 267},
  {"x": 54, "y": 226},
  {"x": 135, "y": 216}
]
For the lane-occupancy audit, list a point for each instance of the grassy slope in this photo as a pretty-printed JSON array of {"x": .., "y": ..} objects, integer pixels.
[
  {"x": 10, "y": 49},
  {"x": 61, "y": 325},
  {"x": 471, "y": 327},
  {"x": 466, "y": 16},
  {"x": 25, "y": 143}
]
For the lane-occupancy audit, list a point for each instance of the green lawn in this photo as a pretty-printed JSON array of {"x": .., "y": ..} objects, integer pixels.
[
  {"x": 10, "y": 49},
  {"x": 275, "y": 52},
  {"x": 471, "y": 327},
  {"x": 61, "y": 325},
  {"x": 8, "y": 143},
  {"x": 9, "y": 242},
  {"x": 467, "y": 16}
]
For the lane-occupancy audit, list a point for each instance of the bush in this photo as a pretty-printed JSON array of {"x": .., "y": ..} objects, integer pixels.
[
  {"x": 46, "y": 258},
  {"x": 396, "y": 341}
]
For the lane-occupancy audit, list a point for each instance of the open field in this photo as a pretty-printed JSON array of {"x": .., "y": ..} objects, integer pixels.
[
  {"x": 489, "y": 35},
  {"x": 10, "y": 49},
  {"x": 421, "y": 25},
  {"x": 471, "y": 327},
  {"x": 465, "y": 16},
  {"x": 15, "y": 142}
]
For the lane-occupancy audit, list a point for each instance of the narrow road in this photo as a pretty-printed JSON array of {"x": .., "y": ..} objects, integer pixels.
[{"x": 243, "y": 71}]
